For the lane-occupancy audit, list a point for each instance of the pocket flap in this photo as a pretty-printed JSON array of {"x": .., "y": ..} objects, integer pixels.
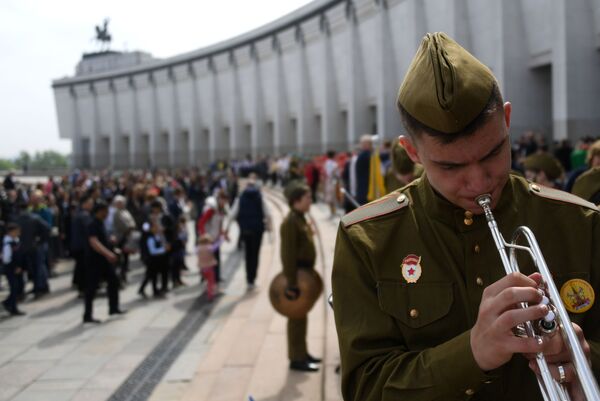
[{"x": 415, "y": 305}]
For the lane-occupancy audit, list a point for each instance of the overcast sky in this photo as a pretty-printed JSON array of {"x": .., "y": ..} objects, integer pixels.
[{"x": 42, "y": 40}]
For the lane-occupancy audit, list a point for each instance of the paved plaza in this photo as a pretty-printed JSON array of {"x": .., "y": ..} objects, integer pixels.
[{"x": 178, "y": 348}]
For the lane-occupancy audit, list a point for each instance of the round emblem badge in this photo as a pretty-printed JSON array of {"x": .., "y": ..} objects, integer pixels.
[
  {"x": 411, "y": 268},
  {"x": 577, "y": 295}
]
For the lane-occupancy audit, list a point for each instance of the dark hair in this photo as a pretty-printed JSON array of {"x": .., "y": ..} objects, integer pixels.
[
  {"x": 296, "y": 193},
  {"x": 156, "y": 205},
  {"x": 331, "y": 154},
  {"x": 10, "y": 227},
  {"x": 415, "y": 128},
  {"x": 99, "y": 206}
]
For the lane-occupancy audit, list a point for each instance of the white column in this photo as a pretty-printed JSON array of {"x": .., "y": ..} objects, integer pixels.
[
  {"x": 357, "y": 108},
  {"x": 76, "y": 146},
  {"x": 575, "y": 80},
  {"x": 388, "y": 123},
  {"x": 95, "y": 148},
  {"x": 215, "y": 123},
  {"x": 281, "y": 123},
  {"x": 237, "y": 134},
  {"x": 115, "y": 158},
  {"x": 154, "y": 140},
  {"x": 258, "y": 142},
  {"x": 307, "y": 132},
  {"x": 176, "y": 147},
  {"x": 331, "y": 136},
  {"x": 135, "y": 160},
  {"x": 195, "y": 117}
]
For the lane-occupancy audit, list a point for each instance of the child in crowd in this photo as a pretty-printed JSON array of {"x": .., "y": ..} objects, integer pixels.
[
  {"x": 157, "y": 258},
  {"x": 12, "y": 267},
  {"x": 207, "y": 263}
]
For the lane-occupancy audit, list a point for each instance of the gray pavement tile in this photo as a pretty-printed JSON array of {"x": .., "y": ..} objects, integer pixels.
[
  {"x": 107, "y": 378},
  {"x": 8, "y": 352},
  {"x": 99, "y": 394},
  {"x": 54, "y": 385},
  {"x": 21, "y": 374},
  {"x": 73, "y": 371},
  {"x": 37, "y": 353},
  {"x": 32, "y": 333},
  {"x": 7, "y": 392},
  {"x": 44, "y": 395}
]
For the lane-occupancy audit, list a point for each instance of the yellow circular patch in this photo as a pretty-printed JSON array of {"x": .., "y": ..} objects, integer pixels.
[{"x": 577, "y": 295}]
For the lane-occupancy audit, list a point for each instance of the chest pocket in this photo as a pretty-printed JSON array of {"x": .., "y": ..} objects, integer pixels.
[{"x": 415, "y": 305}]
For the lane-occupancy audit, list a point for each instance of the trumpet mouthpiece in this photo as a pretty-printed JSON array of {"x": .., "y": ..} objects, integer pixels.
[{"x": 484, "y": 199}]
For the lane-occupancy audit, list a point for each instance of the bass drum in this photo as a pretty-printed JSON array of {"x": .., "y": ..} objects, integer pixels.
[{"x": 311, "y": 287}]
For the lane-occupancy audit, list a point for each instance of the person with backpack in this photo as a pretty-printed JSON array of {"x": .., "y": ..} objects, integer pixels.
[{"x": 253, "y": 217}]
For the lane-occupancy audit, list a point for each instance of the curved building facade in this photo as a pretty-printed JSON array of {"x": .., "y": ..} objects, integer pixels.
[{"x": 327, "y": 73}]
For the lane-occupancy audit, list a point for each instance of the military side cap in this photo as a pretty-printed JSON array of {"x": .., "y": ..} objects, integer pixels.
[
  {"x": 445, "y": 87},
  {"x": 546, "y": 163},
  {"x": 402, "y": 163},
  {"x": 587, "y": 185}
]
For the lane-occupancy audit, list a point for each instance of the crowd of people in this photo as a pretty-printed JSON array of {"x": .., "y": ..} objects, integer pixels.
[
  {"x": 100, "y": 220},
  {"x": 147, "y": 211}
]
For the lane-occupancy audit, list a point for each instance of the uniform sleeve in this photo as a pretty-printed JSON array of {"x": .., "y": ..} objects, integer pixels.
[
  {"x": 376, "y": 364},
  {"x": 289, "y": 247},
  {"x": 591, "y": 327}
]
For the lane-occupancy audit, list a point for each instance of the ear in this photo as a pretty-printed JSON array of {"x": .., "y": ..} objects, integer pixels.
[
  {"x": 507, "y": 111},
  {"x": 408, "y": 145}
]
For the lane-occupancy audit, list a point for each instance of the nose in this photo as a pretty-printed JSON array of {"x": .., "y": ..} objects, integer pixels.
[{"x": 478, "y": 180}]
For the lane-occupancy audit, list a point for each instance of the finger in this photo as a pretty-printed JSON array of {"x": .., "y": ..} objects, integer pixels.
[
  {"x": 568, "y": 369},
  {"x": 513, "y": 317},
  {"x": 511, "y": 280},
  {"x": 522, "y": 345},
  {"x": 537, "y": 277},
  {"x": 510, "y": 297}
]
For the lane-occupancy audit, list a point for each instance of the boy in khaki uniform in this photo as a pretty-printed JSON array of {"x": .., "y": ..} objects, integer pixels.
[{"x": 423, "y": 307}]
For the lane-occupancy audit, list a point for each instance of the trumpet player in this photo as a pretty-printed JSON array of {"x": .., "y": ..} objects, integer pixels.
[{"x": 423, "y": 307}]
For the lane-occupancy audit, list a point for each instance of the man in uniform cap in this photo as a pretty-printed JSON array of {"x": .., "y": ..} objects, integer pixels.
[
  {"x": 423, "y": 307},
  {"x": 403, "y": 170},
  {"x": 587, "y": 184},
  {"x": 544, "y": 169}
]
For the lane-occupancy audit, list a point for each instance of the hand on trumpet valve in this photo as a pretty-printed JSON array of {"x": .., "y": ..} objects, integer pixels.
[
  {"x": 493, "y": 342},
  {"x": 558, "y": 357}
]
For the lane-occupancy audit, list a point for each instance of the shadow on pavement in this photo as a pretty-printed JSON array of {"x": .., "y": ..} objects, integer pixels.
[
  {"x": 73, "y": 332},
  {"x": 290, "y": 390}
]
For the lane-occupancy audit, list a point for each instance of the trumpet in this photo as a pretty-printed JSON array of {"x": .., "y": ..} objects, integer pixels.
[{"x": 557, "y": 318}]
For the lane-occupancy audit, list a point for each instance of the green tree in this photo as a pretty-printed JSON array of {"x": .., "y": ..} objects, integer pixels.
[
  {"x": 48, "y": 159},
  {"x": 6, "y": 164},
  {"x": 23, "y": 161}
]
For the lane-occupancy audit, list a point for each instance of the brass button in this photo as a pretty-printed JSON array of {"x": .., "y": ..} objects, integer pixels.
[
  {"x": 468, "y": 214},
  {"x": 414, "y": 313},
  {"x": 468, "y": 222},
  {"x": 401, "y": 198},
  {"x": 488, "y": 382},
  {"x": 479, "y": 281},
  {"x": 470, "y": 391},
  {"x": 476, "y": 248},
  {"x": 535, "y": 187}
]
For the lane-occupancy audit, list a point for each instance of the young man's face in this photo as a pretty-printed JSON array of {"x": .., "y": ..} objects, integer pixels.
[{"x": 470, "y": 166}]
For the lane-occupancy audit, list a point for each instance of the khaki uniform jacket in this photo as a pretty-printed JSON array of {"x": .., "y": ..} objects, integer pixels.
[
  {"x": 297, "y": 245},
  {"x": 587, "y": 185},
  {"x": 401, "y": 341}
]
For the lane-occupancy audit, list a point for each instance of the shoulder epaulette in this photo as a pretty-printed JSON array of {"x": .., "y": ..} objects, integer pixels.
[
  {"x": 561, "y": 196},
  {"x": 380, "y": 207}
]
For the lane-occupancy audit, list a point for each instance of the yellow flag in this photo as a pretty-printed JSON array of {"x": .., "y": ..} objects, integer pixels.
[{"x": 376, "y": 185}]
